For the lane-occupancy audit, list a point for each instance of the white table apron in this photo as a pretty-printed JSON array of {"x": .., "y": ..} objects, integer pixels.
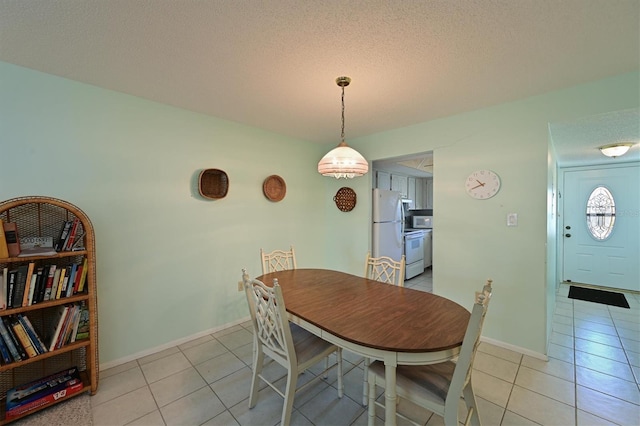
[{"x": 391, "y": 360}]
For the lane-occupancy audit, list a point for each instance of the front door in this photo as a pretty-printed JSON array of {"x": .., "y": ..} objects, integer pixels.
[{"x": 601, "y": 226}]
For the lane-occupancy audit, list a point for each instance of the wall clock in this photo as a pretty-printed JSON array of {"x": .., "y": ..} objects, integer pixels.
[{"x": 482, "y": 184}]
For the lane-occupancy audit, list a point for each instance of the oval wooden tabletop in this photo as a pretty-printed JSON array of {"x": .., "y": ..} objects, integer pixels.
[{"x": 371, "y": 313}]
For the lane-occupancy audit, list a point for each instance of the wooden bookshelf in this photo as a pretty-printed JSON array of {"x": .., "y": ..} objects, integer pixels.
[{"x": 44, "y": 217}]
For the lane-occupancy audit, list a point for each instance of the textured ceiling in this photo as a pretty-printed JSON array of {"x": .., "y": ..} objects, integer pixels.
[{"x": 272, "y": 64}]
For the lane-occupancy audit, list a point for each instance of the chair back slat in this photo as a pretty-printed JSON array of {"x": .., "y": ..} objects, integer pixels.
[
  {"x": 278, "y": 260},
  {"x": 385, "y": 269}
]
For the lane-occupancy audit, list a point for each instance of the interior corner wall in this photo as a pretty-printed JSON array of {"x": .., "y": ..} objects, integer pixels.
[
  {"x": 471, "y": 239},
  {"x": 168, "y": 260}
]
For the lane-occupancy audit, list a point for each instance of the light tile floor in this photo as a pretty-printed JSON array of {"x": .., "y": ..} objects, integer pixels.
[{"x": 591, "y": 378}]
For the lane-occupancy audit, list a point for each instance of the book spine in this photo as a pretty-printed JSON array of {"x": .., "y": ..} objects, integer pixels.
[
  {"x": 3, "y": 288},
  {"x": 42, "y": 286},
  {"x": 54, "y": 337},
  {"x": 54, "y": 288},
  {"x": 64, "y": 233},
  {"x": 49, "y": 286},
  {"x": 33, "y": 335},
  {"x": 64, "y": 332},
  {"x": 13, "y": 350},
  {"x": 11, "y": 236},
  {"x": 4, "y": 250},
  {"x": 23, "y": 337},
  {"x": 83, "y": 278},
  {"x": 68, "y": 245},
  {"x": 72, "y": 279},
  {"x": 63, "y": 277},
  {"x": 27, "y": 285},
  {"x": 4, "y": 350},
  {"x": 21, "y": 281},
  {"x": 11, "y": 285}
]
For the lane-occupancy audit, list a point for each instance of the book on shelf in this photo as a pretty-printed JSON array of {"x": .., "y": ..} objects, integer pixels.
[
  {"x": 42, "y": 392},
  {"x": 32, "y": 286},
  {"x": 27, "y": 284},
  {"x": 67, "y": 328},
  {"x": 33, "y": 334},
  {"x": 64, "y": 279},
  {"x": 11, "y": 285},
  {"x": 36, "y": 246},
  {"x": 14, "y": 339},
  {"x": 3, "y": 288},
  {"x": 11, "y": 236},
  {"x": 4, "y": 352},
  {"x": 49, "y": 284},
  {"x": 8, "y": 342},
  {"x": 42, "y": 284},
  {"x": 63, "y": 276},
  {"x": 82, "y": 331},
  {"x": 54, "y": 287},
  {"x": 56, "y": 325},
  {"x": 83, "y": 278},
  {"x": 72, "y": 279},
  {"x": 21, "y": 282},
  {"x": 23, "y": 337},
  {"x": 4, "y": 250},
  {"x": 64, "y": 234},
  {"x": 68, "y": 245}
]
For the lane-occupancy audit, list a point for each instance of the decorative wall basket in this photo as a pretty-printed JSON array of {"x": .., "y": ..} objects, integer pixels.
[
  {"x": 345, "y": 199},
  {"x": 274, "y": 188},
  {"x": 213, "y": 184}
]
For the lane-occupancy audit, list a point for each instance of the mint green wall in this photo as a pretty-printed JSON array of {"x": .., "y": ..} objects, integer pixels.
[
  {"x": 471, "y": 239},
  {"x": 168, "y": 262}
]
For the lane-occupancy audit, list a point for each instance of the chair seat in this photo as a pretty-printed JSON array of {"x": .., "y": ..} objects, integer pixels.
[
  {"x": 309, "y": 347},
  {"x": 424, "y": 382}
]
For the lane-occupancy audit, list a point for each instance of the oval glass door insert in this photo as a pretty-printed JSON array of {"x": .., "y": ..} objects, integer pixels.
[{"x": 601, "y": 213}]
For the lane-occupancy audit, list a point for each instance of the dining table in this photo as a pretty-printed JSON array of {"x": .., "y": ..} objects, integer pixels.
[{"x": 393, "y": 324}]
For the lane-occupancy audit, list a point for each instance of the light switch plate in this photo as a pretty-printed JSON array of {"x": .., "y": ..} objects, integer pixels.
[{"x": 512, "y": 219}]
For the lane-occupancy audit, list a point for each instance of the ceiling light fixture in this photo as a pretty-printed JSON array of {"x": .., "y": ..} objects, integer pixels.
[
  {"x": 343, "y": 161},
  {"x": 616, "y": 149}
]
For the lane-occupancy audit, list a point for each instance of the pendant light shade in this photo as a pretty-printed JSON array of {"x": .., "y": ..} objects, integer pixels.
[
  {"x": 343, "y": 161},
  {"x": 615, "y": 150}
]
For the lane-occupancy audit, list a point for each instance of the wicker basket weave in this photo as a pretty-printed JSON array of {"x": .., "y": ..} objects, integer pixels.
[
  {"x": 213, "y": 184},
  {"x": 345, "y": 199},
  {"x": 274, "y": 188}
]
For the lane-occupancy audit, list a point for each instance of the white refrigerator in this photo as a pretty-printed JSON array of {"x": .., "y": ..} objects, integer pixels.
[{"x": 388, "y": 224}]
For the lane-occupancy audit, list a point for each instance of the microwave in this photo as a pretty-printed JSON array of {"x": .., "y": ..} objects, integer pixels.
[{"x": 419, "y": 222}]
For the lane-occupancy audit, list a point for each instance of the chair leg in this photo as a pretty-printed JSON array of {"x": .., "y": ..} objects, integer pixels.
[
  {"x": 470, "y": 400},
  {"x": 365, "y": 384},
  {"x": 258, "y": 360},
  {"x": 292, "y": 380},
  {"x": 372, "y": 399},
  {"x": 340, "y": 383}
]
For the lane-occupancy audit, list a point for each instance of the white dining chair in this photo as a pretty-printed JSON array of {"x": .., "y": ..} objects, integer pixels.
[
  {"x": 289, "y": 345},
  {"x": 438, "y": 387},
  {"x": 386, "y": 270},
  {"x": 278, "y": 260}
]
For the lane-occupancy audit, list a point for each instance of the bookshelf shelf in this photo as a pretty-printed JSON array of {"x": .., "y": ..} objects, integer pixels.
[{"x": 44, "y": 217}]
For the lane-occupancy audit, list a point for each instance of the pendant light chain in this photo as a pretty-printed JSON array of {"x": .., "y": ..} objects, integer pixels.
[{"x": 342, "y": 134}]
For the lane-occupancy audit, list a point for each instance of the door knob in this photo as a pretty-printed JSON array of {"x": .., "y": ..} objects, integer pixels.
[{"x": 567, "y": 235}]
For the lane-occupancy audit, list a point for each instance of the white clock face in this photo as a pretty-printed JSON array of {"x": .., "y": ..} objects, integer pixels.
[{"x": 482, "y": 184}]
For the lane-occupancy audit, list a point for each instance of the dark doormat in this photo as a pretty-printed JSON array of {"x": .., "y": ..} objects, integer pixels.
[{"x": 598, "y": 296}]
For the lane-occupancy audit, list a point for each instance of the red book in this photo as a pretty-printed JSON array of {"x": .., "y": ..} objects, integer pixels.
[{"x": 72, "y": 235}]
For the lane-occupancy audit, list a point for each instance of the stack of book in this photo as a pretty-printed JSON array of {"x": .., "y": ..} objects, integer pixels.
[
  {"x": 42, "y": 392},
  {"x": 19, "y": 340},
  {"x": 70, "y": 236},
  {"x": 27, "y": 284}
]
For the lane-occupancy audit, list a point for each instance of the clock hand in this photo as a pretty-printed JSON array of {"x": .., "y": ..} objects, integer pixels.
[
  {"x": 481, "y": 183},
  {"x": 478, "y": 186}
]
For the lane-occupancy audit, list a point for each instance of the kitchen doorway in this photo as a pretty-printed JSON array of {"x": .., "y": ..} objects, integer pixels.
[{"x": 600, "y": 224}]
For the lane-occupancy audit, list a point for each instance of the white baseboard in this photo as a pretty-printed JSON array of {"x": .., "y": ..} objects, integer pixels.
[
  {"x": 168, "y": 345},
  {"x": 515, "y": 348}
]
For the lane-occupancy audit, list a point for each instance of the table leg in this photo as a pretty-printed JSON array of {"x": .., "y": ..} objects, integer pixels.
[{"x": 390, "y": 391}]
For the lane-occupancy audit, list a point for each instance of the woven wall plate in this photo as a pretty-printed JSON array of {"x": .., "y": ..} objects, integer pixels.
[
  {"x": 213, "y": 183},
  {"x": 274, "y": 188},
  {"x": 345, "y": 199}
]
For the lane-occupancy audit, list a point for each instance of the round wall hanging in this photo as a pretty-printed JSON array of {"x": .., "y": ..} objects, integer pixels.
[
  {"x": 345, "y": 199},
  {"x": 274, "y": 188},
  {"x": 213, "y": 183}
]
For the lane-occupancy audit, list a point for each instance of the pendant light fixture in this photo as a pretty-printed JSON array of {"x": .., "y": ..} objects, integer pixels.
[
  {"x": 343, "y": 161},
  {"x": 616, "y": 149}
]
